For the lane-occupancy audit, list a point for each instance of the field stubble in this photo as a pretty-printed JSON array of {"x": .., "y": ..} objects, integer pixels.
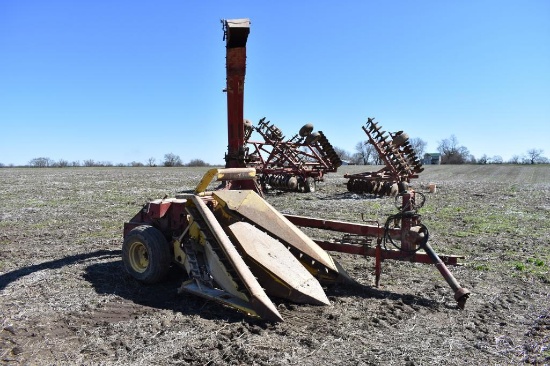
[{"x": 64, "y": 298}]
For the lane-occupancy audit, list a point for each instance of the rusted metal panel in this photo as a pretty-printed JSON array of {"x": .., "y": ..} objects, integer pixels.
[
  {"x": 340, "y": 226},
  {"x": 236, "y": 34},
  {"x": 461, "y": 294},
  {"x": 367, "y": 251},
  {"x": 158, "y": 208}
]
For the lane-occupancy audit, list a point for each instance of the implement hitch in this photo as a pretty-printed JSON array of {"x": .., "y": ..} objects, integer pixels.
[{"x": 404, "y": 231}]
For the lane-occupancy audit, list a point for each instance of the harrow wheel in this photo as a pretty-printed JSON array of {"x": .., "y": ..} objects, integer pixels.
[
  {"x": 146, "y": 254},
  {"x": 309, "y": 185}
]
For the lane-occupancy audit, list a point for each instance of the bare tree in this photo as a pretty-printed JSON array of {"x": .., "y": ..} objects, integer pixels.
[
  {"x": 75, "y": 163},
  {"x": 41, "y": 162},
  {"x": 136, "y": 164},
  {"x": 197, "y": 162},
  {"x": 515, "y": 159},
  {"x": 365, "y": 154},
  {"x": 376, "y": 159},
  {"x": 497, "y": 159},
  {"x": 89, "y": 162},
  {"x": 171, "y": 159},
  {"x": 342, "y": 154},
  {"x": 418, "y": 145},
  {"x": 151, "y": 162},
  {"x": 368, "y": 156},
  {"x": 356, "y": 159},
  {"x": 61, "y": 163},
  {"x": 452, "y": 153},
  {"x": 534, "y": 156},
  {"x": 374, "y": 156}
]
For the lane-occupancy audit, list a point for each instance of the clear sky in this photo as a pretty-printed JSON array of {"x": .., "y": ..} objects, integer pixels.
[{"x": 122, "y": 81}]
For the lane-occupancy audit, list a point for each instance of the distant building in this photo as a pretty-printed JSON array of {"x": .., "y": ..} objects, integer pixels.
[{"x": 432, "y": 159}]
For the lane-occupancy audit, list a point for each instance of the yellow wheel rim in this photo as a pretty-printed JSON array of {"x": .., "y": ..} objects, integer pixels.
[{"x": 139, "y": 258}]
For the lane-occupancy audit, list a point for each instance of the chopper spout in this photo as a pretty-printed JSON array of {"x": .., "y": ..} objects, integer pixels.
[{"x": 235, "y": 34}]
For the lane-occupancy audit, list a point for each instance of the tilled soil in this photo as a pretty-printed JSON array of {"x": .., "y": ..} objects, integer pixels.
[{"x": 65, "y": 298}]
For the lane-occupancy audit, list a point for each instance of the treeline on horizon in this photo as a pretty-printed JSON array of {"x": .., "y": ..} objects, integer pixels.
[
  {"x": 450, "y": 152},
  {"x": 170, "y": 160},
  {"x": 49, "y": 163}
]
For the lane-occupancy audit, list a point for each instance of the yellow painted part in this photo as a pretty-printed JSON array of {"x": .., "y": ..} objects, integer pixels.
[
  {"x": 259, "y": 301},
  {"x": 216, "y": 268},
  {"x": 220, "y": 274},
  {"x": 138, "y": 256},
  {"x": 218, "y": 295},
  {"x": 277, "y": 270},
  {"x": 196, "y": 233},
  {"x": 179, "y": 253},
  {"x": 254, "y": 208},
  {"x": 206, "y": 179},
  {"x": 224, "y": 174}
]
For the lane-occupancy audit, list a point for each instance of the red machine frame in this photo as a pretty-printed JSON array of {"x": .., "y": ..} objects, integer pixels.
[
  {"x": 296, "y": 164},
  {"x": 399, "y": 157},
  {"x": 404, "y": 227}
]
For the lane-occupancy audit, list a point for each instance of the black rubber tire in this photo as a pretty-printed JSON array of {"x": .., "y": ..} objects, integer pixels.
[
  {"x": 309, "y": 185},
  {"x": 146, "y": 254}
]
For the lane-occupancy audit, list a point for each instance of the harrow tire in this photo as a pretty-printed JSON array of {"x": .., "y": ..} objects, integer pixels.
[
  {"x": 350, "y": 185},
  {"x": 146, "y": 254},
  {"x": 309, "y": 185}
]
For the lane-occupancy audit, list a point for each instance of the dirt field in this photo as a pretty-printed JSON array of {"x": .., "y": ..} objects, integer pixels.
[{"x": 64, "y": 298}]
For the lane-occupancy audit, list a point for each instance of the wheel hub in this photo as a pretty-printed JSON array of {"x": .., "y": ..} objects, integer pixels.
[{"x": 139, "y": 258}]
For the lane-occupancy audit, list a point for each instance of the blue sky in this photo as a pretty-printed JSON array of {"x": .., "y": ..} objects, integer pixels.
[{"x": 123, "y": 81}]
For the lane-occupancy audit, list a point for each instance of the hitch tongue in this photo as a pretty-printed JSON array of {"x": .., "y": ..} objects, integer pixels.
[{"x": 461, "y": 293}]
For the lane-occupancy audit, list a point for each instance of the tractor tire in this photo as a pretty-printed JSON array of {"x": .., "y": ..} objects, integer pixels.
[
  {"x": 309, "y": 185},
  {"x": 146, "y": 254}
]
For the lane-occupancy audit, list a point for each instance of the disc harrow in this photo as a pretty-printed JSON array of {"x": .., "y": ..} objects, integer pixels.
[
  {"x": 293, "y": 164},
  {"x": 400, "y": 160}
]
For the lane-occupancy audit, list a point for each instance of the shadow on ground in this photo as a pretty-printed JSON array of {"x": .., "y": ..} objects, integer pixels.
[
  {"x": 111, "y": 278},
  {"x": 14, "y": 275},
  {"x": 367, "y": 292}
]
